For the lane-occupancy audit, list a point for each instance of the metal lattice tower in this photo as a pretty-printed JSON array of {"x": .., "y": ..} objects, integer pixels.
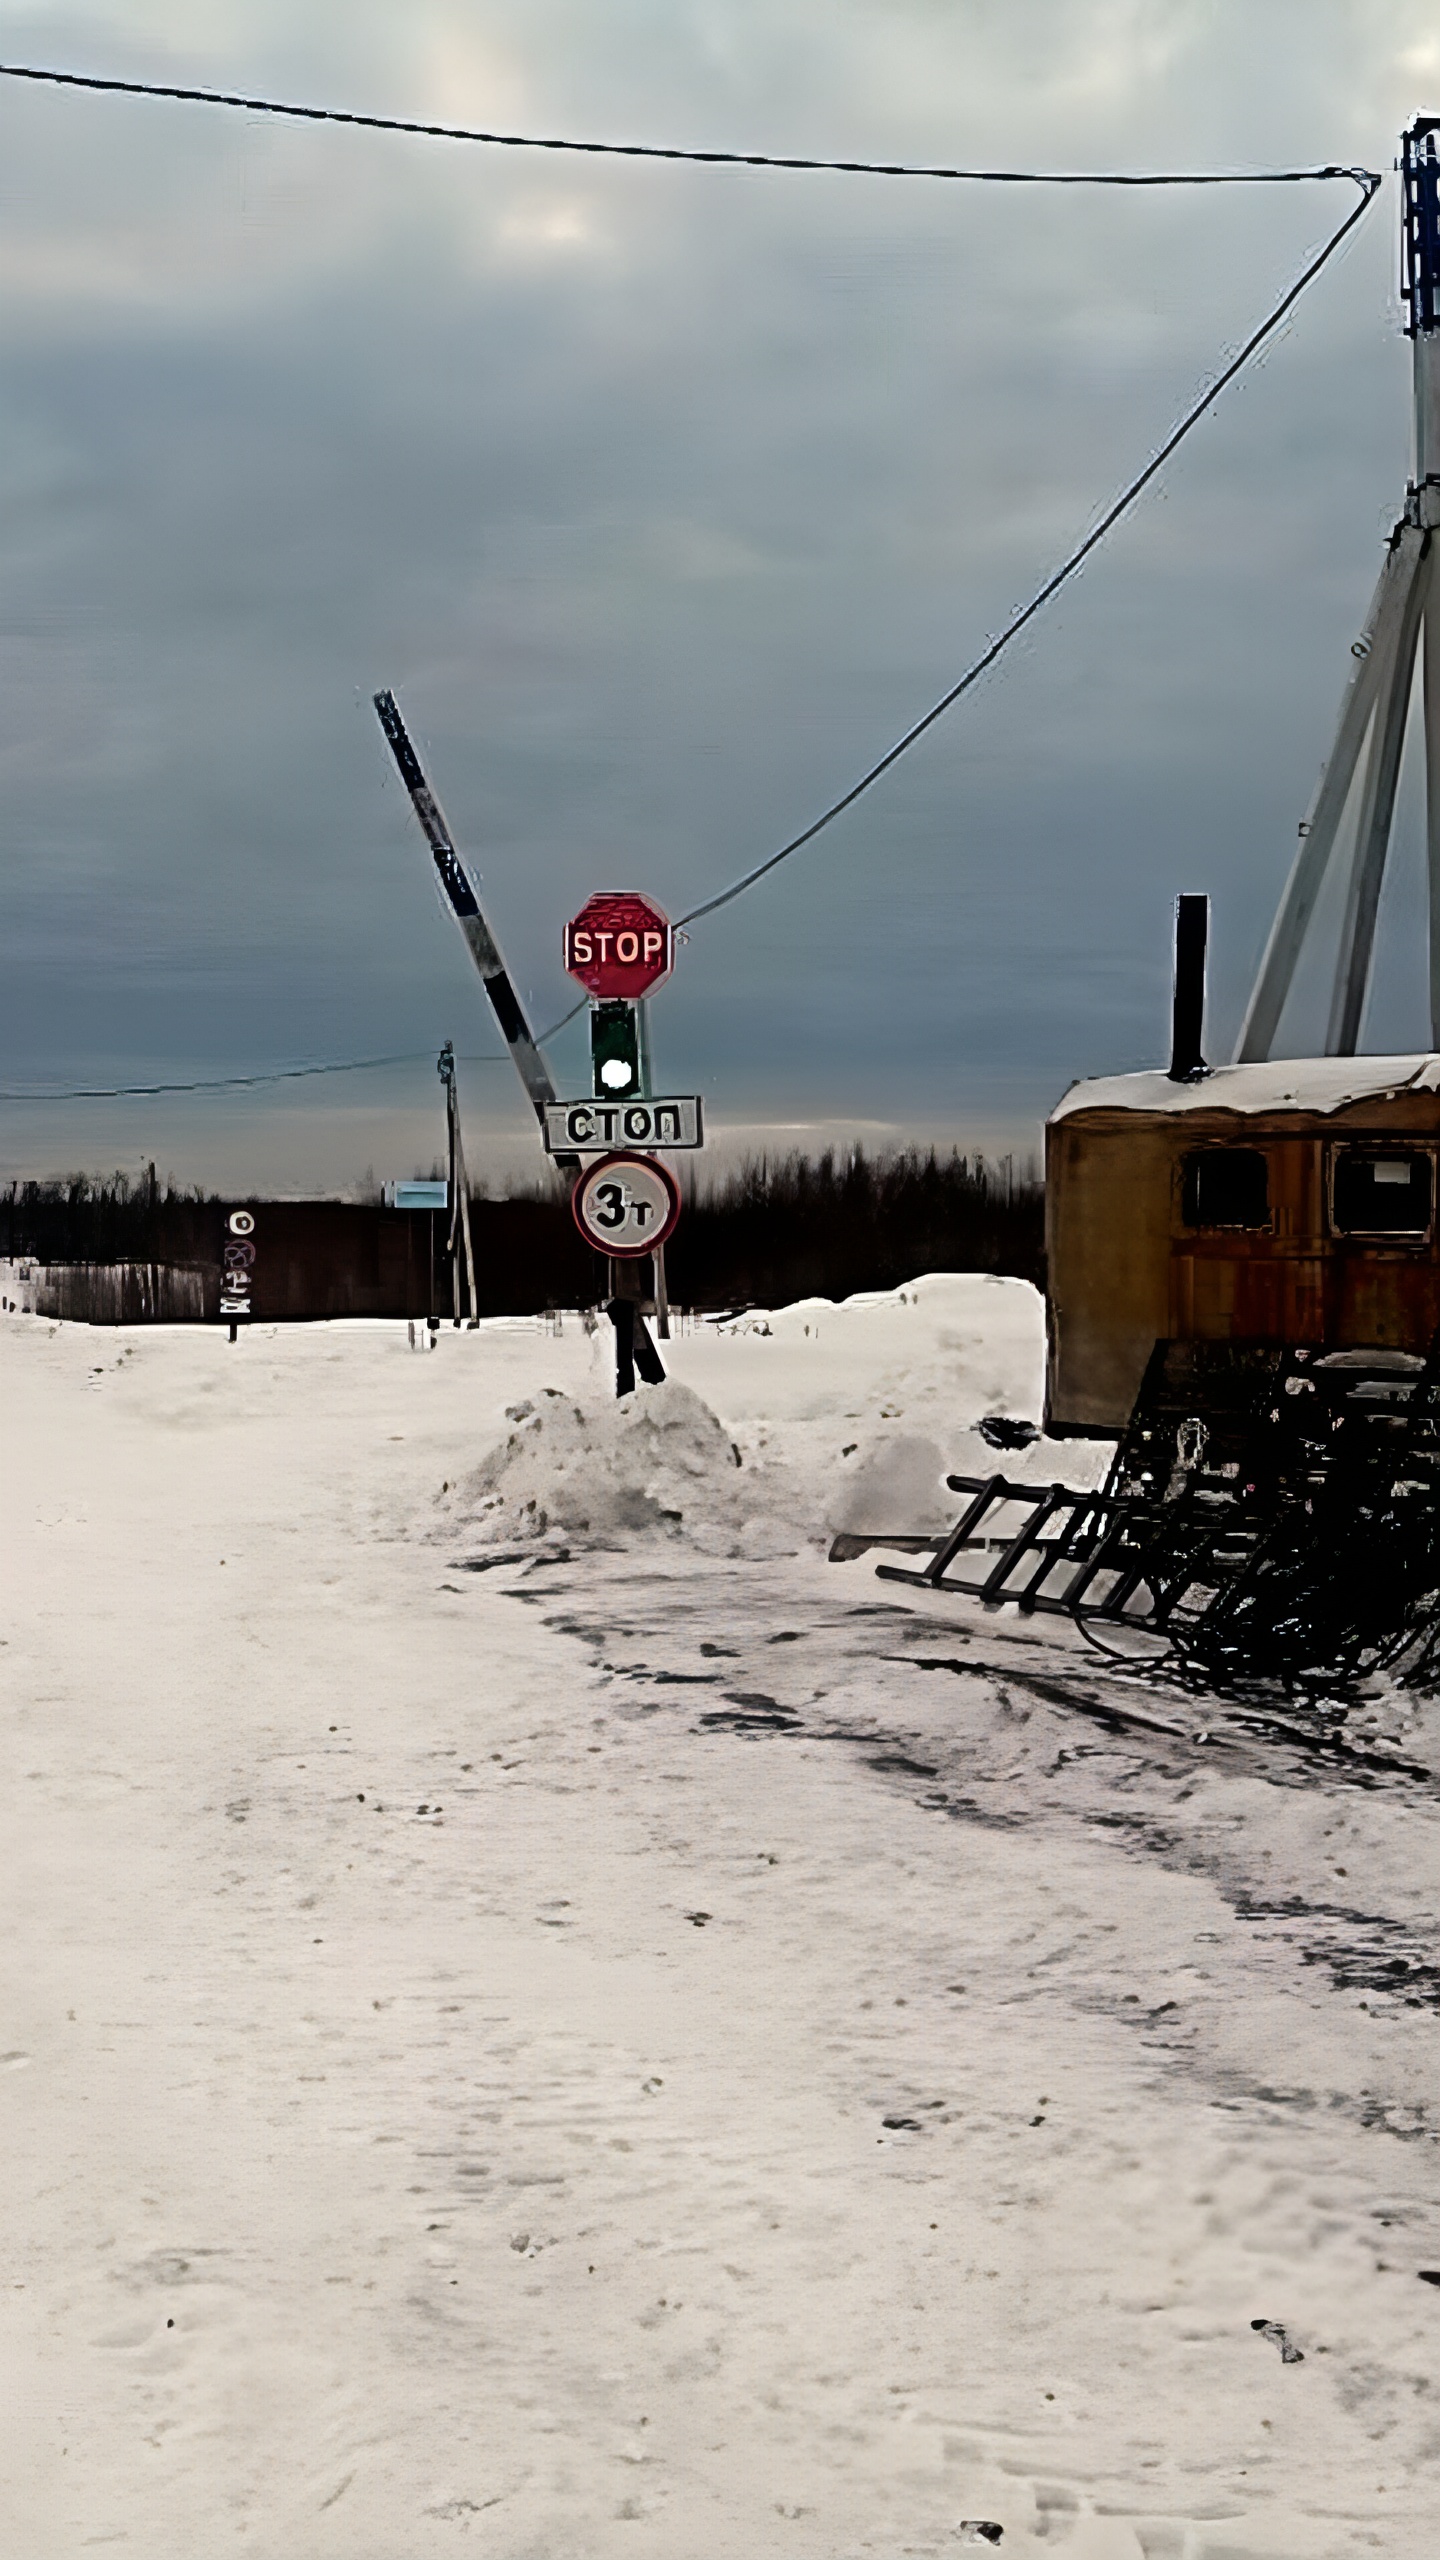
[{"x": 1403, "y": 621}]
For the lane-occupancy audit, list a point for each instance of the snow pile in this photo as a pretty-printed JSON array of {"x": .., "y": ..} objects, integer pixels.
[
  {"x": 895, "y": 1482},
  {"x": 776, "y": 1429},
  {"x": 604, "y": 1472}
]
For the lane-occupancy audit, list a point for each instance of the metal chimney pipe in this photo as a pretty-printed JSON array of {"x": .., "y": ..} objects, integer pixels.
[{"x": 1187, "y": 1026}]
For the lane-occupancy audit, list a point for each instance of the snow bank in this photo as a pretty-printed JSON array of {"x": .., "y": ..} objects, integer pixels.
[
  {"x": 840, "y": 2033},
  {"x": 777, "y": 1429},
  {"x": 658, "y": 1464}
]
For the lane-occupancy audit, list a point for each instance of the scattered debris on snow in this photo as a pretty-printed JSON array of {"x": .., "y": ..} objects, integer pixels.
[{"x": 1281, "y": 2338}]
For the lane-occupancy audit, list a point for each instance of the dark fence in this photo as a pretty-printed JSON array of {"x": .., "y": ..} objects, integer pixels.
[
  {"x": 768, "y": 1233},
  {"x": 124, "y": 1292},
  {"x": 333, "y": 1258}
]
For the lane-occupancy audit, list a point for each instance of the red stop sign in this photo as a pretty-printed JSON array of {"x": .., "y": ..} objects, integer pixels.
[{"x": 620, "y": 944}]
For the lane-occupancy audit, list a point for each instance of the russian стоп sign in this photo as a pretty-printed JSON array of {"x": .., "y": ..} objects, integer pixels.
[
  {"x": 619, "y": 945},
  {"x": 626, "y": 1205},
  {"x": 583, "y": 1128}
]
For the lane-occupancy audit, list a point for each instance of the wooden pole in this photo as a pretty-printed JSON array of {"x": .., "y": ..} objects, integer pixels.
[{"x": 447, "y": 1069}]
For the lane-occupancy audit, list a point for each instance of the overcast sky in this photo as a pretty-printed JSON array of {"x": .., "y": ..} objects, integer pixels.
[{"x": 665, "y": 498}]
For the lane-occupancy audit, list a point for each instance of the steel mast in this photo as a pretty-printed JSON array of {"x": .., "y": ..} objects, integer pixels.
[{"x": 1370, "y": 736}]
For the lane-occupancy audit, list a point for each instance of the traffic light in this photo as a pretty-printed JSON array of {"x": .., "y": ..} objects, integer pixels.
[{"x": 615, "y": 1050}]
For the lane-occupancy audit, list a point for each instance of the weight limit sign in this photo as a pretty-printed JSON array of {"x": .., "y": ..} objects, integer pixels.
[{"x": 626, "y": 1205}]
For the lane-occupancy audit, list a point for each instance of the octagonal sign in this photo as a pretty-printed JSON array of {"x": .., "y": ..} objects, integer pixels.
[{"x": 620, "y": 944}]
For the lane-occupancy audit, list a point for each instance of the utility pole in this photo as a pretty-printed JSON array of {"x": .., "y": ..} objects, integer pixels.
[
  {"x": 1376, "y": 706},
  {"x": 459, "y": 1236}
]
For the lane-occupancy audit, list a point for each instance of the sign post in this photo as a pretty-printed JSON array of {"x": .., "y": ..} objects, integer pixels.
[
  {"x": 619, "y": 947},
  {"x": 237, "y": 1270}
]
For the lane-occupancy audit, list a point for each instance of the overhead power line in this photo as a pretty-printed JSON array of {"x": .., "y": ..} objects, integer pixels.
[
  {"x": 1368, "y": 183},
  {"x": 673, "y": 151},
  {"x": 274, "y": 1075},
  {"x": 224, "y": 1084}
]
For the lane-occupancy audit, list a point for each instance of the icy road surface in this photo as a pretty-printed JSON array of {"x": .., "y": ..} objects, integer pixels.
[{"x": 667, "y": 2051}]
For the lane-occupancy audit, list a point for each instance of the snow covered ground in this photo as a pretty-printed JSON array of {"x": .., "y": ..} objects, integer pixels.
[{"x": 665, "y": 2046}]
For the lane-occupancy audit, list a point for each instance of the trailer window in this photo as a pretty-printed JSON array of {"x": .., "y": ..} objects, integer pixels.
[
  {"x": 1226, "y": 1187},
  {"x": 1381, "y": 1195}
]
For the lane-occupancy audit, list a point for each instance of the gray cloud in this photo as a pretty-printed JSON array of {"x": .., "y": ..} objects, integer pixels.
[{"x": 665, "y": 498}]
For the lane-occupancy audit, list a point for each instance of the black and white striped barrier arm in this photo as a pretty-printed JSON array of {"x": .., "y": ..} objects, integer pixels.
[{"x": 465, "y": 907}]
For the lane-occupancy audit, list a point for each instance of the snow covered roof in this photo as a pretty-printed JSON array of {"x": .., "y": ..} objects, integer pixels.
[{"x": 1273, "y": 1084}]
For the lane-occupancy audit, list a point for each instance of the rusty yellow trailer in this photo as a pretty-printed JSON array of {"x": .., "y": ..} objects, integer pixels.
[{"x": 1287, "y": 1202}]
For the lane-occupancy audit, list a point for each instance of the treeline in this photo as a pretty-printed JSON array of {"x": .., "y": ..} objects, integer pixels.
[
  {"x": 769, "y": 1231},
  {"x": 802, "y": 1227},
  {"x": 106, "y": 1218}
]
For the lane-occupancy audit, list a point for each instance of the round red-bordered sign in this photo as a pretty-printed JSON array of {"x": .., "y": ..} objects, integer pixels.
[{"x": 626, "y": 1205}]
